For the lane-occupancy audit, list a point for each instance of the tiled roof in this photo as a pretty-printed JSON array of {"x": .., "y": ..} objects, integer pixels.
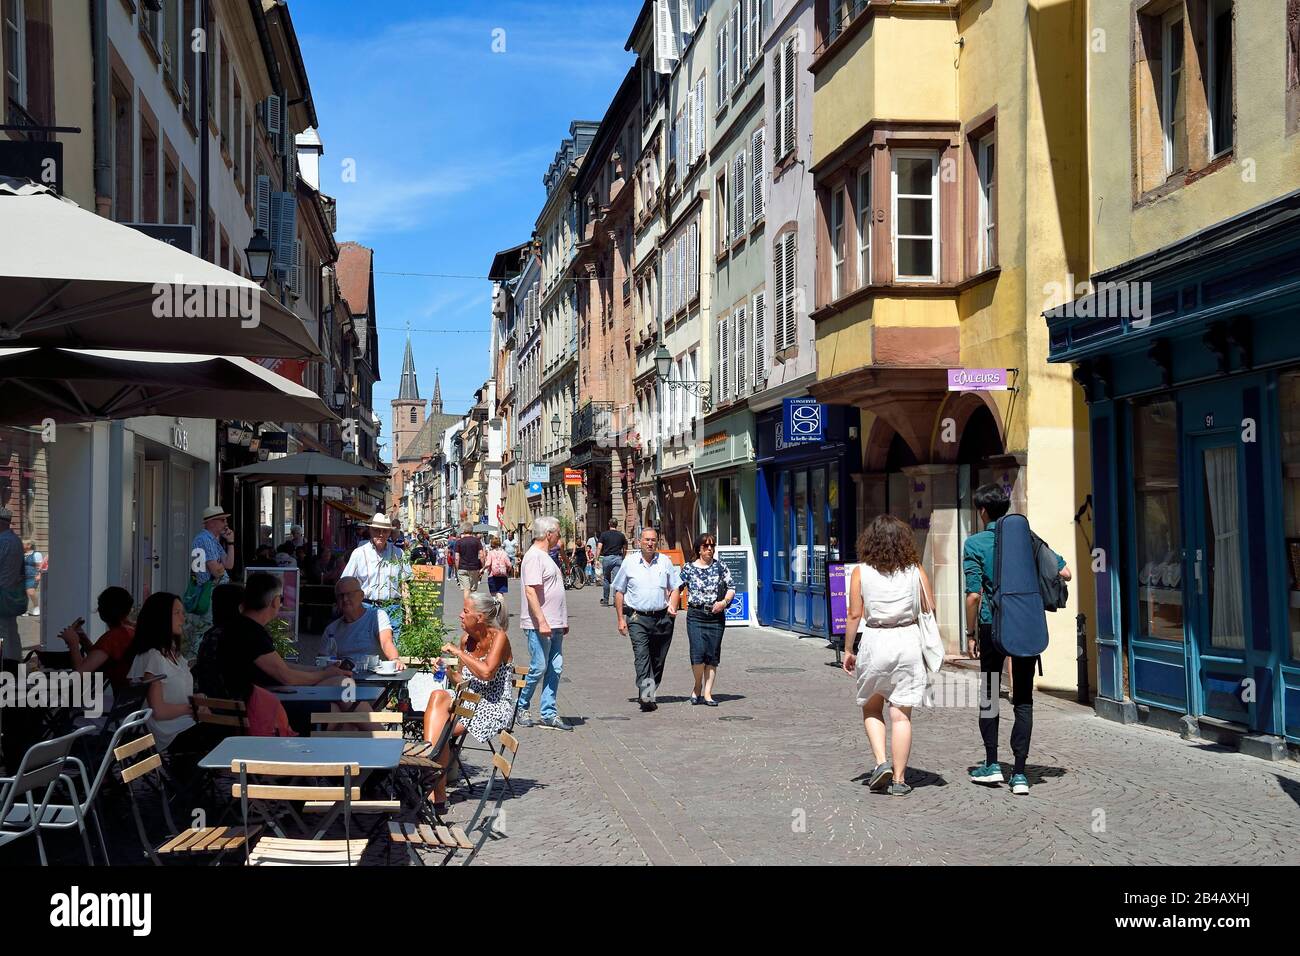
[{"x": 428, "y": 440}]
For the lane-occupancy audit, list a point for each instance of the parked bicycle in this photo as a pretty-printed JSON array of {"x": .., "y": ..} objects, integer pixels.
[{"x": 575, "y": 576}]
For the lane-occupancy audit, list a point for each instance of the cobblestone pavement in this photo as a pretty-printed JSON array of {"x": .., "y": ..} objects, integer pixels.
[{"x": 774, "y": 775}]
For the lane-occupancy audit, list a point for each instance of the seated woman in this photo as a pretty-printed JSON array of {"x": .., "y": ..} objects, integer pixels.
[
  {"x": 157, "y": 650},
  {"x": 226, "y": 599},
  {"x": 112, "y": 652},
  {"x": 484, "y": 655}
]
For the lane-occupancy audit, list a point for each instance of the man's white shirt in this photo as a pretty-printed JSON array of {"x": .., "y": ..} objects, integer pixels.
[{"x": 381, "y": 575}]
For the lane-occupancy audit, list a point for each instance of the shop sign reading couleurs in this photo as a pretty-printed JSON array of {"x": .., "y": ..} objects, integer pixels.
[{"x": 977, "y": 379}]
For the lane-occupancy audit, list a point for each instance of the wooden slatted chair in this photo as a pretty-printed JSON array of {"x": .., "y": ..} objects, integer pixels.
[
  {"x": 375, "y": 724},
  {"x": 139, "y": 764},
  {"x": 285, "y": 851},
  {"x": 470, "y": 839},
  {"x": 466, "y": 701},
  {"x": 227, "y": 717}
]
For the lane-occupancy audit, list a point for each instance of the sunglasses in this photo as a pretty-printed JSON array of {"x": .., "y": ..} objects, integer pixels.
[{"x": 710, "y": 546}]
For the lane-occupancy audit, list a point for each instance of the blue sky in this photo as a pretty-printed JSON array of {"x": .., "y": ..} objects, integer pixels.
[{"x": 450, "y": 142}]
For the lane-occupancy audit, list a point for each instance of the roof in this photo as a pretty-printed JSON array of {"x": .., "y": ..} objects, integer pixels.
[
  {"x": 505, "y": 263},
  {"x": 428, "y": 440},
  {"x": 642, "y": 17},
  {"x": 355, "y": 263},
  {"x": 409, "y": 389}
]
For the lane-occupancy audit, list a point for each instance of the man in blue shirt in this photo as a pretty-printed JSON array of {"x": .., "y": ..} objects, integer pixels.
[
  {"x": 645, "y": 603},
  {"x": 993, "y": 503}
]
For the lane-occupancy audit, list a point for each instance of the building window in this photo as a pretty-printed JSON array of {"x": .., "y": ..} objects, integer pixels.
[
  {"x": 1219, "y": 87},
  {"x": 1159, "y": 529},
  {"x": 123, "y": 140},
  {"x": 784, "y": 88},
  {"x": 721, "y": 206},
  {"x": 986, "y": 169},
  {"x": 148, "y": 172},
  {"x": 1173, "y": 97},
  {"x": 916, "y": 215},
  {"x": 865, "y": 219},
  {"x": 412, "y": 415},
  {"x": 237, "y": 153},
  {"x": 15, "y": 50},
  {"x": 171, "y": 189},
  {"x": 838, "y": 278}
]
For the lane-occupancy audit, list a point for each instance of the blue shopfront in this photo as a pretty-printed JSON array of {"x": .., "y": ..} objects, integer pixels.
[
  {"x": 1194, "y": 408},
  {"x": 806, "y": 515}
]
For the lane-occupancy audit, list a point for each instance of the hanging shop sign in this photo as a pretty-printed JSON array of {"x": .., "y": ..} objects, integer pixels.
[
  {"x": 977, "y": 380},
  {"x": 39, "y": 162},
  {"x": 274, "y": 441},
  {"x": 573, "y": 476},
  {"x": 804, "y": 420},
  {"x": 534, "y": 488},
  {"x": 538, "y": 474}
]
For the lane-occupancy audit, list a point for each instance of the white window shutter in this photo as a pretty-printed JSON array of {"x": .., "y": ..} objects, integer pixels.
[
  {"x": 778, "y": 102},
  {"x": 720, "y": 81},
  {"x": 738, "y": 195},
  {"x": 778, "y": 287},
  {"x": 700, "y": 98},
  {"x": 760, "y": 339},
  {"x": 791, "y": 293},
  {"x": 692, "y": 129},
  {"x": 681, "y": 270},
  {"x": 742, "y": 349},
  {"x": 744, "y": 37},
  {"x": 693, "y": 251},
  {"x": 295, "y": 276},
  {"x": 724, "y": 360},
  {"x": 686, "y": 16},
  {"x": 758, "y": 159},
  {"x": 733, "y": 35},
  {"x": 756, "y": 29},
  {"x": 665, "y": 50},
  {"x": 788, "y": 88},
  {"x": 263, "y": 211}
]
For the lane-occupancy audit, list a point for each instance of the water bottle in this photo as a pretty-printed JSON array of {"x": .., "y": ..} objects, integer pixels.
[{"x": 440, "y": 675}]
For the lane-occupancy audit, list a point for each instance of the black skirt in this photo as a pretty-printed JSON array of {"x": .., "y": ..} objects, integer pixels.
[{"x": 704, "y": 630}]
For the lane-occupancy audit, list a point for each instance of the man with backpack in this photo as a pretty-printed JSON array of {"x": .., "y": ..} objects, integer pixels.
[{"x": 1009, "y": 586}]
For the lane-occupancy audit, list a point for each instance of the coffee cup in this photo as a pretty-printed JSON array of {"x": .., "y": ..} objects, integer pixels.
[{"x": 386, "y": 667}]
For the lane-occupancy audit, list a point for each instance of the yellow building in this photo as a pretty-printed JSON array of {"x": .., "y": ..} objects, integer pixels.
[
  {"x": 1188, "y": 354},
  {"x": 949, "y": 151}
]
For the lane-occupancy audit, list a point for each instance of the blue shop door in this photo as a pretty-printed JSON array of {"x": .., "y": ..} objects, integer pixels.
[
  {"x": 1220, "y": 618},
  {"x": 782, "y": 595},
  {"x": 804, "y": 509}
]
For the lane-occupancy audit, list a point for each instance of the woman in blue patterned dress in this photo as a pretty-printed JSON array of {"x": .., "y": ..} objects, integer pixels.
[
  {"x": 484, "y": 654},
  {"x": 709, "y": 588}
]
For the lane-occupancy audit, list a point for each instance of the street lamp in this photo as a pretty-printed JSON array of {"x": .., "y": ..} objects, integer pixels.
[
  {"x": 556, "y": 424},
  {"x": 702, "y": 389},
  {"x": 258, "y": 254}
]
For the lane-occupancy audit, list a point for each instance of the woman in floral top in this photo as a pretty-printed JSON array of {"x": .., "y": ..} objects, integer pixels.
[{"x": 709, "y": 592}]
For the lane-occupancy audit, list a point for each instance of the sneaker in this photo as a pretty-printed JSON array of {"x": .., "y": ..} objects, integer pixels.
[
  {"x": 989, "y": 773},
  {"x": 899, "y": 789},
  {"x": 524, "y": 719},
  {"x": 1019, "y": 784},
  {"x": 556, "y": 723},
  {"x": 881, "y": 777}
]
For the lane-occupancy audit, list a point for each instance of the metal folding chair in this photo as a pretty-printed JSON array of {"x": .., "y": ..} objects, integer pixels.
[{"x": 39, "y": 772}]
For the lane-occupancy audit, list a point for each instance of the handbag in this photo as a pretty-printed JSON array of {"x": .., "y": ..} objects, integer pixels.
[
  {"x": 198, "y": 597},
  {"x": 932, "y": 650}
]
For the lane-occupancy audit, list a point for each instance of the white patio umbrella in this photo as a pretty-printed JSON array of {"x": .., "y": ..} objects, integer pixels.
[
  {"x": 69, "y": 277},
  {"x": 76, "y": 385}
]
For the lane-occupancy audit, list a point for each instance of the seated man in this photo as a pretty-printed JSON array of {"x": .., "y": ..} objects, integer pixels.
[
  {"x": 246, "y": 656},
  {"x": 361, "y": 630},
  {"x": 112, "y": 652}
]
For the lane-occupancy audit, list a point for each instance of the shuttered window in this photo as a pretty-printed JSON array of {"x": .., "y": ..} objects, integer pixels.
[
  {"x": 693, "y": 255},
  {"x": 700, "y": 98},
  {"x": 788, "y": 88},
  {"x": 741, "y": 349},
  {"x": 723, "y": 377},
  {"x": 738, "y": 195},
  {"x": 758, "y": 159},
  {"x": 760, "y": 338}
]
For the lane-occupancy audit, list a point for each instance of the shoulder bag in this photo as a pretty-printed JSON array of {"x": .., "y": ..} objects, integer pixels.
[{"x": 932, "y": 650}]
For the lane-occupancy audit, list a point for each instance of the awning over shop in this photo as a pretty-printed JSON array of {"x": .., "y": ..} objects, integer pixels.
[
  {"x": 347, "y": 510},
  {"x": 308, "y": 467}
]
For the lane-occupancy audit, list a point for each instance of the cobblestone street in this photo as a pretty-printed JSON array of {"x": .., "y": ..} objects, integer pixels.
[{"x": 775, "y": 774}]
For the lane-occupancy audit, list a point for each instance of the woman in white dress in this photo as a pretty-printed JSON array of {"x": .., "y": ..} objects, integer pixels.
[{"x": 887, "y": 663}]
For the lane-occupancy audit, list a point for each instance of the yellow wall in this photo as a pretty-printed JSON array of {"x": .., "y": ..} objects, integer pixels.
[
  {"x": 1266, "y": 161},
  {"x": 897, "y": 67}
]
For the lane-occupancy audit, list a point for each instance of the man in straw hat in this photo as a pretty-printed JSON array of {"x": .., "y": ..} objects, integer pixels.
[
  {"x": 380, "y": 568},
  {"x": 214, "y": 549}
]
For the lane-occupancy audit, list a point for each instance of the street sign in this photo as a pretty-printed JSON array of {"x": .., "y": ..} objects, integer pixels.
[
  {"x": 535, "y": 488},
  {"x": 539, "y": 474},
  {"x": 805, "y": 421},
  {"x": 178, "y": 236},
  {"x": 573, "y": 476}
]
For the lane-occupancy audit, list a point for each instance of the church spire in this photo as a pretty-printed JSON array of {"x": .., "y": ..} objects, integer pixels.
[
  {"x": 408, "y": 390},
  {"x": 437, "y": 394}
]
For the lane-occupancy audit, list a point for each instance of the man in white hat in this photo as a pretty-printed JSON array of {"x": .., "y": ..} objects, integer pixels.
[
  {"x": 216, "y": 542},
  {"x": 380, "y": 568}
]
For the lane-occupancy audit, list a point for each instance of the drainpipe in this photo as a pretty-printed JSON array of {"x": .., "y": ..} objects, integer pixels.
[
  {"x": 102, "y": 101},
  {"x": 205, "y": 145}
]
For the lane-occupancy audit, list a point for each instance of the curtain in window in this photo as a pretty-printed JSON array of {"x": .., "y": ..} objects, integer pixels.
[{"x": 1226, "y": 628}]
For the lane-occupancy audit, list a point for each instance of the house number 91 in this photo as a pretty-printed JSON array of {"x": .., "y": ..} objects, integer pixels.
[{"x": 1209, "y": 421}]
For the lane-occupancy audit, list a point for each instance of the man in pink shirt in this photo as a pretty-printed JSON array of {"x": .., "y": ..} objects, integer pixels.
[{"x": 544, "y": 617}]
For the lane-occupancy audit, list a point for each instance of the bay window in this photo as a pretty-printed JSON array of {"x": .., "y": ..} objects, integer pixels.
[{"x": 915, "y": 202}]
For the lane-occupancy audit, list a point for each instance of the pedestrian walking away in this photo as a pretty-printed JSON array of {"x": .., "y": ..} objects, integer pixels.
[
  {"x": 544, "y": 618},
  {"x": 484, "y": 653},
  {"x": 469, "y": 559},
  {"x": 611, "y": 547},
  {"x": 645, "y": 605},
  {"x": 498, "y": 565},
  {"x": 380, "y": 568},
  {"x": 32, "y": 561},
  {"x": 511, "y": 548},
  {"x": 993, "y": 503},
  {"x": 709, "y": 590},
  {"x": 888, "y": 591}
]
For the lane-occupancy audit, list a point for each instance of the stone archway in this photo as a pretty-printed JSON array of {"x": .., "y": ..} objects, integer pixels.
[{"x": 967, "y": 424}]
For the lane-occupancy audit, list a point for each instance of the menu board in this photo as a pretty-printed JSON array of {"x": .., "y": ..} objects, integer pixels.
[
  {"x": 737, "y": 561},
  {"x": 838, "y": 576}
]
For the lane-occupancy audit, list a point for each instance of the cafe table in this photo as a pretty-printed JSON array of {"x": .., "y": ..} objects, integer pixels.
[{"x": 370, "y": 754}]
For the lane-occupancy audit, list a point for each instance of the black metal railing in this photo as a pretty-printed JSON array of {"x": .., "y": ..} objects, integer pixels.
[{"x": 594, "y": 421}]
